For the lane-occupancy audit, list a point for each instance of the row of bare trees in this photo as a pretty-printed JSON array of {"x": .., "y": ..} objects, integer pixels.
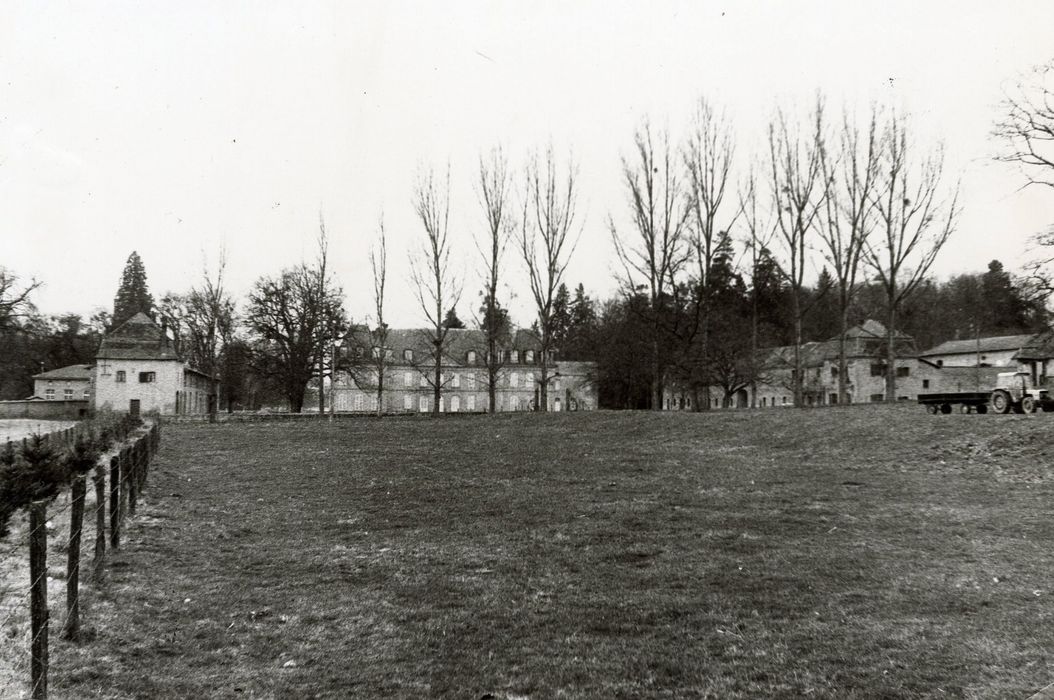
[{"x": 867, "y": 201}]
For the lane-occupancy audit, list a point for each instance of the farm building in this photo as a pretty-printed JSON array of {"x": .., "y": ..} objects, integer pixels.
[
  {"x": 71, "y": 383},
  {"x": 137, "y": 369},
  {"x": 409, "y": 369},
  {"x": 942, "y": 369},
  {"x": 998, "y": 351}
]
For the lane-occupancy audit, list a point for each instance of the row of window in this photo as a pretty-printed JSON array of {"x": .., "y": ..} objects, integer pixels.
[
  {"x": 454, "y": 381},
  {"x": 67, "y": 394},
  {"x": 144, "y": 377},
  {"x": 471, "y": 357}
]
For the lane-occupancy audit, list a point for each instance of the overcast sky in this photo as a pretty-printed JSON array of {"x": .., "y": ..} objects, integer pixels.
[{"x": 178, "y": 128}]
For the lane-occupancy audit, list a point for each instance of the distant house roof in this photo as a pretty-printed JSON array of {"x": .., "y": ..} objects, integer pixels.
[
  {"x": 138, "y": 338},
  {"x": 1039, "y": 347},
  {"x": 865, "y": 340},
  {"x": 974, "y": 345},
  {"x": 458, "y": 342},
  {"x": 80, "y": 372}
]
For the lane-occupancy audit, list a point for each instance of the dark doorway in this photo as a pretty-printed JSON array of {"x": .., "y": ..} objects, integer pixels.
[{"x": 133, "y": 408}]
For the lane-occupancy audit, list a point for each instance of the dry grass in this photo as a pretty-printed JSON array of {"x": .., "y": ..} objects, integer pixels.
[{"x": 861, "y": 553}]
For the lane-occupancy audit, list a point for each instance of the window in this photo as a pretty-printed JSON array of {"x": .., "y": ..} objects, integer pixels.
[
  {"x": 104, "y": 369},
  {"x": 903, "y": 371},
  {"x": 441, "y": 406},
  {"x": 120, "y": 376},
  {"x": 408, "y": 355},
  {"x": 556, "y": 385},
  {"x": 408, "y": 378},
  {"x": 834, "y": 371},
  {"x": 472, "y": 402},
  {"x": 422, "y": 405},
  {"x": 925, "y": 383},
  {"x": 67, "y": 394},
  {"x": 422, "y": 380},
  {"x": 87, "y": 393},
  {"x": 515, "y": 357},
  {"x": 940, "y": 363},
  {"x": 471, "y": 380},
  {"x": 878, "y": 370},
  {"x": 784, "y": 399},
  {"x": 877, "y": 398},
  {"x": 147, "y": 377},
  {"x": 528, "y": 356},
  {"x": 408, "y": 402},
  {"x": 455, "y": 404},
  {"x": 514, "y": 379},
  {"x": 528, "y": 381},
  {"x": 49, "y": 394},
  {"x": 457, "y": 381},
  {"x": 472, "y": 357}
]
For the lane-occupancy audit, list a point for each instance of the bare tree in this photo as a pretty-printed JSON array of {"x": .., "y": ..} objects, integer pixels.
[
  {"x": 324, "y": 340},
  {"x": 798, "y": 191},
  {"x": 846, "y": 222},
  {"x": 915, "y": 219},
  {"x": 14, "y": 298},
  {"x": 435, "y": 284},
  {"x": 494, "y": 192},
  {"x": 759, "y": 234},
  {"x": 210, "y": 326},
  {"x": 656, "y": 248},
  {"x": 1028, "y": 125},
  {"x": 548, "y": 220},
  {"x": 379, "y": 268},
  {"x": 708, "y": 159}
]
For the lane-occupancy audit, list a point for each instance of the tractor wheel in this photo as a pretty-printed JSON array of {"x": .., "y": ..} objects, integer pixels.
[
  {"x": 932, "y": 408},
  {"x": 982, "y": 408},
  {"x": 1028, "y": 404},
  {"x": 946, "y": 408},
  {"x": 1000, "y": 401}
]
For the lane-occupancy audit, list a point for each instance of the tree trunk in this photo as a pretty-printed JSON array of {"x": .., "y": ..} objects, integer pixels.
[
  {"x": 843, "y": 394},
  {"x": 380, "y": 390},
  {"x": 437, "y": 388},
  {"x": 891, "y": 355},
  {"x": 798, "y": 378},
  {"x": 321, "y": 387},
  {"x": 543, "y": 401},
  {"x": 656, "y": 379},
  {"x": 492, "y": 375}
]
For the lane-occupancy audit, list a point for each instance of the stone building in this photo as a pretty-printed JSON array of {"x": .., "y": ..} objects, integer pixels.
[
  {"x": 70, "y": 383},
  {"x": 997, "y": 351},
  {"x": 409, "y": 373},
  {"x": 138, "y": 370}
]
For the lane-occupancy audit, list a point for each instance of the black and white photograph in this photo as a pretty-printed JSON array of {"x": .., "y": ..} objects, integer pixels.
[{"x": 527, "y": 350}]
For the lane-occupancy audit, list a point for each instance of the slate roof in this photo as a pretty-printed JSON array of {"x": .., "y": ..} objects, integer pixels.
[
  {"x": 458, "y": 342},
  {"x": 973, "y": 345},
  {"x": 80, "y": 372},
  {"x": 865, "y": 340},
  {"x": 138, "y": 338}
]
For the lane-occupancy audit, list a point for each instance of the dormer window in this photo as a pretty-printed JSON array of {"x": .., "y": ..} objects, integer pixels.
[
  {"x": 408, "y": 355},
  {"x": 472, "y": 357},
  {"x": 528, "y": 356},
  {"x": 515, "y": 357}
]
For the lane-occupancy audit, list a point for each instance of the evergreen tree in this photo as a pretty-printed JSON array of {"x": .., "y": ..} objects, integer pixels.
[
  {"x": 451, "y": 320},
  {"x": 133, "y": 295},
  {"x": 561, "y": 317}
]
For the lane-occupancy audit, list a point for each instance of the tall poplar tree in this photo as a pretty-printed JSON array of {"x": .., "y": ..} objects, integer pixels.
[{"x": 133, "y": 295}]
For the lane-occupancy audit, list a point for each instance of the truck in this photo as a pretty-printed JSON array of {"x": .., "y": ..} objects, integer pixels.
[{"x": 1013, "y": 391}]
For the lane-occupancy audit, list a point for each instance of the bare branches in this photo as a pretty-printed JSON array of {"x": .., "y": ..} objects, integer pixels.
[
  {"x": 435, "y": 284},
  {"x": 1028, "y": 125},
  {"x": 14, "y": 298},
  {"x": 494, "y": 192},
  {"x": 546, "y": 243},
  {"x": 708, "y": 159},
  {"x": 657, "y": 249}
]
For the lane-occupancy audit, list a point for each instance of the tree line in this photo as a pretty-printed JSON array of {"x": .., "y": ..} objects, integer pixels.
[{"x": 720, "y": 255}]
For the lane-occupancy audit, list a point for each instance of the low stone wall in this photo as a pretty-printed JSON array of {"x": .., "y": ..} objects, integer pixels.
[{"x": 67, "y": 410}]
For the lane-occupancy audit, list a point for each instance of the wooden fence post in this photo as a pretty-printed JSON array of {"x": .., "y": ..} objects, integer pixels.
[
  {"x": 99, "y": 479},
  {"x": 73, "y": 561},
  {"x": 132, "y": 477},
  {"x": 115, "y": 501},
  {"x": 38, "y": 598}
]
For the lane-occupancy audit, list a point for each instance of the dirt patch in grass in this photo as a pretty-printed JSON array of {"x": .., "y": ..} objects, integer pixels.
[{"x": 833, "y": 554}]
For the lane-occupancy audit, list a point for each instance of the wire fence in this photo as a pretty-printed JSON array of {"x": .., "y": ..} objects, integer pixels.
[{"x": 51, "y": 542}]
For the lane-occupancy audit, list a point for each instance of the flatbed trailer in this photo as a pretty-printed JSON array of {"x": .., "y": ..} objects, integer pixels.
[{"x": 966, "y": 400}]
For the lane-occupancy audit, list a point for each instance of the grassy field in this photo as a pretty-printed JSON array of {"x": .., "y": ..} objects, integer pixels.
[{"x": 860, "y": 553}]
